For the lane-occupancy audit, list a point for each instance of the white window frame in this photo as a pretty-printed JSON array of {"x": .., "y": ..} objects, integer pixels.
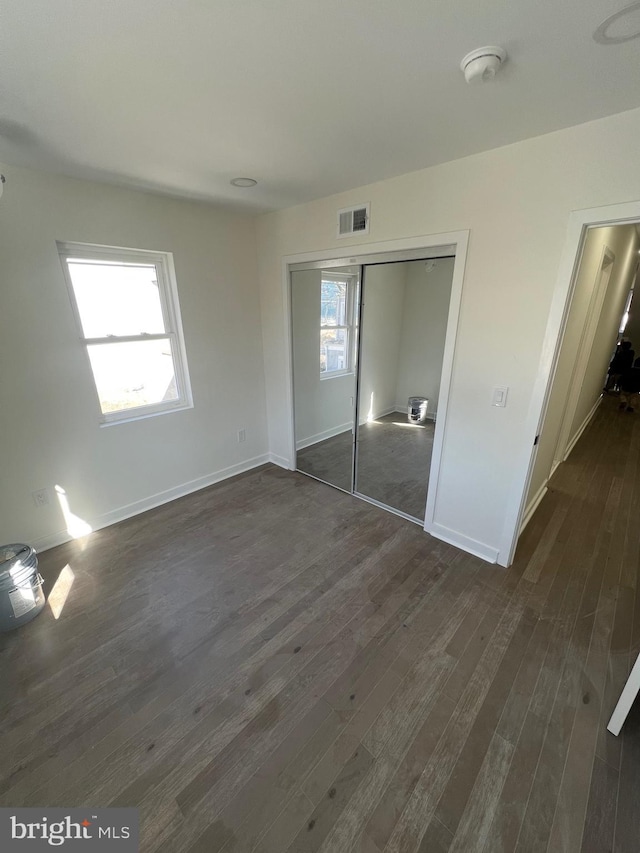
[
  {"x": 351, "y": 280},
  {"x": 168, "y": 292}
]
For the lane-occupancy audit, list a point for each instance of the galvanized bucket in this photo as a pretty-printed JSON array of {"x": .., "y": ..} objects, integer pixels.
[
  {"x": 21, "y": 595},
  {"x": 417, "y": 410}
]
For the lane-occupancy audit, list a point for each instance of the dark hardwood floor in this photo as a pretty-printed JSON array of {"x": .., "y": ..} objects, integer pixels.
[{"x": 271, "y": 665}]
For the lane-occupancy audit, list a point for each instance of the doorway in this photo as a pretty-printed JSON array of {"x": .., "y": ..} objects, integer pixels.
[
  {"x": 597, "y": 276},
  {"x": 369, "y": 337}
]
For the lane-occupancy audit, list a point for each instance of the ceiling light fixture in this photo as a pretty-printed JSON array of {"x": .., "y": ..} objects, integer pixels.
[
  {"x": 243, "y": 182},
  {"x": 482, "y": 64},
  {"x": 629, "y": 29}
]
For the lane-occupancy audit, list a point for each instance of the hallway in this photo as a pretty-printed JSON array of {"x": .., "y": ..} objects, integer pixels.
[{"x": 582, "y": 575}]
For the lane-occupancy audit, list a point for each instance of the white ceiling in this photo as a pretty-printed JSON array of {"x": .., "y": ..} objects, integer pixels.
[{"x": 310, "y": 97}]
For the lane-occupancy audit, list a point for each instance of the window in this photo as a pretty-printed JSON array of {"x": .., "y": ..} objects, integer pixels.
[
  {"x": 126, "y": 306},
  {"x": 337, "y": 304}
]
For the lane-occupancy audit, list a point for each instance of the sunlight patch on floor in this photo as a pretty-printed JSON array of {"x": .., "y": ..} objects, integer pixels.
[{"x": 60, "y": 592}]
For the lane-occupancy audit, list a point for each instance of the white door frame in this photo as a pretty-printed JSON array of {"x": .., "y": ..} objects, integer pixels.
[
  {"x": 458, "y": 241},
  {"x": 585, "y": 345},
  {"x": 579, "y": 222}
]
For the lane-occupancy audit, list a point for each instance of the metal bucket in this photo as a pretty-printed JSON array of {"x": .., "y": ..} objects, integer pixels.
[
  {"x": 417, "y": 410},
  {"x": 21, "y": 595}
]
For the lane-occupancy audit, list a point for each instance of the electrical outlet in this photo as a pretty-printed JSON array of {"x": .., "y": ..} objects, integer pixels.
[
  {"x": 40, "y": 498},
  {"x": 242, "y": 435}
]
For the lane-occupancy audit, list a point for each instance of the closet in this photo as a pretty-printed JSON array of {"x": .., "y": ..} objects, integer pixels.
[{"x": 368, "y": 343}]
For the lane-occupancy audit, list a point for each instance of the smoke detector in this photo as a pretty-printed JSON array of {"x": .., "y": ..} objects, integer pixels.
[{"x": 482, "y": 64}]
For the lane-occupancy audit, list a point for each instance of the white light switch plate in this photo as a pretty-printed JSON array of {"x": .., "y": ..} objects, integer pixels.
[{"x": 499, "y": 396}]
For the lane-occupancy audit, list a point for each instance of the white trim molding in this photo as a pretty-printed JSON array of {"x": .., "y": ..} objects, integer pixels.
[
  {"x": 461, "y": 242},
  {"x": 128, "y": 510},
  {"x": 585, "y": 423},
  {"x": 534, "y": 503},
  {"x": 323, "y": 436},
  {"x": 280, "y": 461},
  {"x": 389, "y": 410},
  {"x": 583, "y": 353},
  {"x": 465, "y": 543}
]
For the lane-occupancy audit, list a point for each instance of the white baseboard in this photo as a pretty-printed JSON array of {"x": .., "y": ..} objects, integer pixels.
[
  {"x": 280, "y": 461},
  {"x": 322, "y": 436},
  {"x": 128, "y": 510},
  {"x": 534, "y": 503},
  {"x": 581, "y": 429},
  {"x": 400, "y": 410},
  {"x": 330, "y": 433},
  {"x": 465, "y": 543},
  {"x": 381, "y": 414}
]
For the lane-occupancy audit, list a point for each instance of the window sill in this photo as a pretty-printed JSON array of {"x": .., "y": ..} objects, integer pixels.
[
  {"x": 143, "y": 415},
  {"x": 336, "y": 374}
]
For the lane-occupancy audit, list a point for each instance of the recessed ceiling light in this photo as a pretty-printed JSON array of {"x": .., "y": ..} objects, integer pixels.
[
  {"x": 620, "y": 27},
  {"x": 243, "y": 182}
]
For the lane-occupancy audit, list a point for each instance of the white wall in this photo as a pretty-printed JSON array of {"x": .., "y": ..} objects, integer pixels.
[
  {"x": 516, "y": 203},
  {"x": 323, "y": 407},
  {"x": 424, "y": 327},
  {"x": 567, "y": 409},
  {"x": 622, "y": 273},
  {"x": 384, "y": 297},
  {"x": 48, "y": 419}
]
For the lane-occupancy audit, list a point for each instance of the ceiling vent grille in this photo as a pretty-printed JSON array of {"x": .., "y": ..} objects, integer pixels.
[{"x": 353, "y": 220}]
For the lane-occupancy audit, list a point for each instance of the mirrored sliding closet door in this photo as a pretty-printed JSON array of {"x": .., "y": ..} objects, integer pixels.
[
  {"x": 403, "y": 327},
  {"x": 324, "y": 312},
  {"x": 368, "y": 345}
]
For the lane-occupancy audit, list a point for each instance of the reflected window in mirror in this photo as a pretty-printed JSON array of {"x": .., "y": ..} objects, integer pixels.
[{"x": 337, "y": 310}]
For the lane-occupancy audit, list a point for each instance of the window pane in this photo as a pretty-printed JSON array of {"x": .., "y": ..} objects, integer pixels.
[
  {"x": 333, "y": 350},
  {"x": 333, "y": 303},
  {"x": 116, "y": 299},
  {"x": 139, "y": 373}
]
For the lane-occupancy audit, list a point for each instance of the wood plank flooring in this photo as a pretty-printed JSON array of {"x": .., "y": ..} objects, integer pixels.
[{"x": 271, "y": 665}]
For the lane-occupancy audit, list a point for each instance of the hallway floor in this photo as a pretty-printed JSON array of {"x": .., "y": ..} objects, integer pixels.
[
  {"x": 271, "y": 665},
  {"x": 585, "y": 561}
]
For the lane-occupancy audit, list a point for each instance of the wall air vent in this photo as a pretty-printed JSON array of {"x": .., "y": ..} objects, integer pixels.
[{"x": 353, "y": 220}]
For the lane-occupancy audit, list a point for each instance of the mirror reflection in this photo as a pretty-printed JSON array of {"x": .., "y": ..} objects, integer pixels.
[
  {"x": 324, "y": 334},
  {"x": 405, "y": 308}
]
